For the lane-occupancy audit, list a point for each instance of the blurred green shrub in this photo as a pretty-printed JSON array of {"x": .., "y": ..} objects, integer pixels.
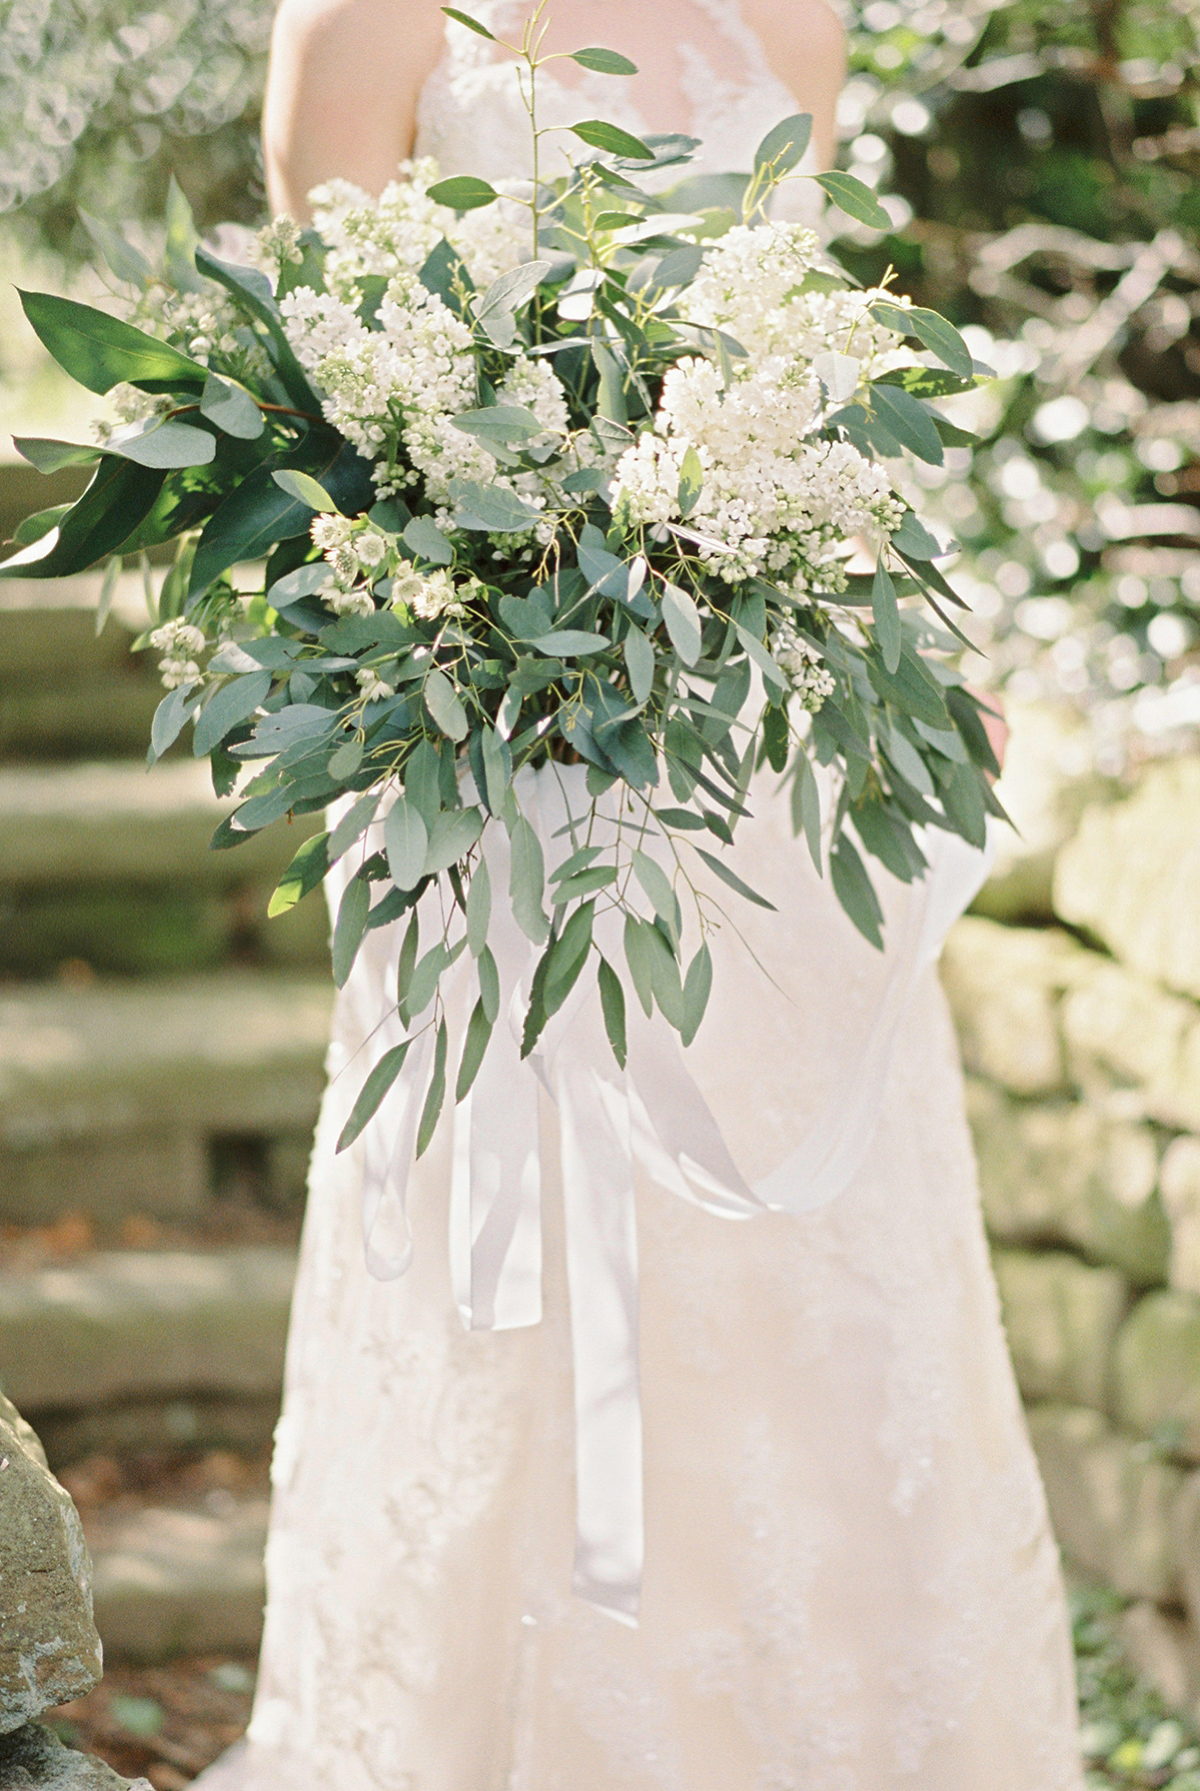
[{"x": 1040, "y": 159}]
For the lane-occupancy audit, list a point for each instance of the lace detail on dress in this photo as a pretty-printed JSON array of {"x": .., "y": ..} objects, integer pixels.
[{"x": 729, "y": 95}]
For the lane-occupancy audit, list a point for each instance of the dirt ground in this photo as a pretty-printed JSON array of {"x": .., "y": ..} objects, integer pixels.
[{"x": 164, "y": 1723}]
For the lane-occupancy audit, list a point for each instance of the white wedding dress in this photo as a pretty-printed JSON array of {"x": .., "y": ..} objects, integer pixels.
[{"x": 849, "y": 1579}]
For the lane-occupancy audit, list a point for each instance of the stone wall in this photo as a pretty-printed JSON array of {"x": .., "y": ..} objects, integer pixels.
[{"x": 1081, "y": 1043}]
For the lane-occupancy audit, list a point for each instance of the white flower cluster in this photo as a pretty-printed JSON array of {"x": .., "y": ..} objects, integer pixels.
[
  {"x": 430, "y": 595},
  {"x": 351, "y": 551},
  {"x": 179, "y": 642},
  {"x": 810, "y": 677},
  {"x": 753, "y": 284},
  {"x": 771, "y": 502},
  {"x": 395, "y": 391},
  {"x": 395, "y": 233},
  {"x": 278, "y": 244},
  {"x": 400, "y": 229}
]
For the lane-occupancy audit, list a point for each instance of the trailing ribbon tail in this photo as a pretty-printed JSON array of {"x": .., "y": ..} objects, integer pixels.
[{"x": 602, "y": 1276}]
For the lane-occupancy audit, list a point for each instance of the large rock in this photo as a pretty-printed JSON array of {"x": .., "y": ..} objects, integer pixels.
[
  {"x": 1131, "y": 876},
  {"x": 1061, "y": 1173},
  {"x": 1180, "y": 1185},
  {"x": 1061, "y": 1317},
  {"x": 1048, "y": 782},
  {"x": 49, "y": 1647},
  {"x": 1185, "y": 1528},
  {"x": 121, "y": 1326},
  {"x": 32, "y": 1759},
  {"x": 1122, "y": 1031},
  {"x": 1156, "y": 1372},
  {"x": 1111, "y": 1502},
  {"x": 1004, "y": 986}
]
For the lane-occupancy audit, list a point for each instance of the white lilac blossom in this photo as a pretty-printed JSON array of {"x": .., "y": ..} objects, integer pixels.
[
  {"x": 771, "y": 502},
  {"x": 179, "y": 642},
  {"x": 430, "y": 595},
  {"x": 755, "y": 283},
  {"x": 395, "y": 391},
  {"x": 278, "y": 244},
  {"x": 809, "y": 676},
  {"x": 372, "y": 685}
]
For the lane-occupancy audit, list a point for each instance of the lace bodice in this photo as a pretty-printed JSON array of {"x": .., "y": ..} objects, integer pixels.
[{"x": 717, "y": 87}]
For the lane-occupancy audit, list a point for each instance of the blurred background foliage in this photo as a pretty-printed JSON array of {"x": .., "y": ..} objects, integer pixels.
[{"x": 1039, "y": 159}]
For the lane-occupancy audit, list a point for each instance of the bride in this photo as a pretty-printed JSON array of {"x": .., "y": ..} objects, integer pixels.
[{"x": 849, "y": 1580}]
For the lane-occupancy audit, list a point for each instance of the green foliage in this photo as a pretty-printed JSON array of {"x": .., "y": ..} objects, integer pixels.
[{"x": 1040, "y": 163}]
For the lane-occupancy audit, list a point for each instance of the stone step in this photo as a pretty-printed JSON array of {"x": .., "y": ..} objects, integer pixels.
[
  {"x": 109, "y": 864},
  {"x": 64, "y": 690},
  {"x": 179, "y": 1579},
  {"x": 121, "y": 1327},
  {"x": 111, "y": 1096}
]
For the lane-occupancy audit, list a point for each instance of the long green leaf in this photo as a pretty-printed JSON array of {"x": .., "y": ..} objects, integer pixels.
[
  {"x": 612, "y": 1003},
  {"x": 351, "y": 925},
  {"x": 437, "y": 1094},
  {"x": 638, "y": 958},
  {"x": 119, "y": 497},
  {"x": 479, "y": 907},
  {"x": 372, "y": 1092},
  {"x": 855, "y": 199},
  {"x": 231, "y": 704},
  {"x": 906, "y": 418},
  {"x": 697, "y": 987},
  {"x": 856, "y": 892},
  {"x": 304, "y": 873},
  {"x": 806, "y": 807},
  {"x": 612, "y": 139},
  {"x": 527, "y": 881},
  {"x": 783, "y": 147},
  {"x": 479, "y": 1031},
  {"x": 733, "y": 880},
  {"x": 887, "y": 616},
  {"x": 463, "y": 192},
  {"x": 48, "y": 456},
  {"x": 604, "y": 62},
  {"x": 101, "y": 351},
  {"x": 406, "y": 839}
]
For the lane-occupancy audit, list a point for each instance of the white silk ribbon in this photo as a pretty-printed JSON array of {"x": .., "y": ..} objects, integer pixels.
[{"x": 651, "y": 1115}]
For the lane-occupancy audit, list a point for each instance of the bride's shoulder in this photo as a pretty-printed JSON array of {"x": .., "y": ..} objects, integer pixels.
[
  {"x": 796, "y": 27},
  {"x": 385, "y": 22}
]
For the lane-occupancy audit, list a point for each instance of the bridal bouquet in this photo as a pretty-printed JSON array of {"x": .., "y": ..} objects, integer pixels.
[{"x": 568, "y": 473}]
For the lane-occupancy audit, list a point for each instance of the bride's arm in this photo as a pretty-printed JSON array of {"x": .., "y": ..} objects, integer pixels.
[
  {"x": 342, "y": 91},
  {"x": 806, "y": 48}
]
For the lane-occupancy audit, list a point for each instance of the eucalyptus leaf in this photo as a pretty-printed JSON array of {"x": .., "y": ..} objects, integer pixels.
[
  {"x": 443, "y": 704},
  {"x": 906, "y": 418},
  {"x": 783, "y": 148},
  {"x": 162, "y": 442},
  {"x": 463, "y": 192},
  {"x": 372, "y": 1092},
  {"x": 681, "y": 619},
  {"x": 490, "y": 508},
  {"x": 48, "y": 456},
  {"x": 733, "y": 880},
  {"x": 934, "y": 330},
  {"x": 637, "y": 956},
  {"x": 231, "y": 408},
  {"x": 697, "y": 987},
  {"x": 351, "y": 924},
  {"x": 451, "y": 837},
  {"x": 464, "y": 18},
  {"x": 566, "y": 643},
  {"x": 612, "y": 1003},
  {"x": 427, "y": 541},
  {"x": 887, "y": 616},
  {"x": 526, "y": 882},
  {"x": 479, "y": 907},
  {"x": 639, "y": 663},
  {"x": 855, "y": 891},
  {"x": 431, "y": 1111},
  {"x": 479, "y": 1031},
  {"x": 305, "y": 872},
  {"x": 691, "y": 481},
  {"x": 489, "y": 984},
  {"x": 227, "y": 707},
  {"x": 604, "y": 62},
  {"x": 612, "y": 139},
  {"x": 406, "y": 963},
  {"x": 500, "y": 423},
  {"x": 406, "y": 840},
  {"x": 126, "y": 262},
  {"x": 855, "y": 199},
  {"x": 806, "y": 807},
  {"x": 657, "y": 885},
  {"x": 305, "y": 488}
]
